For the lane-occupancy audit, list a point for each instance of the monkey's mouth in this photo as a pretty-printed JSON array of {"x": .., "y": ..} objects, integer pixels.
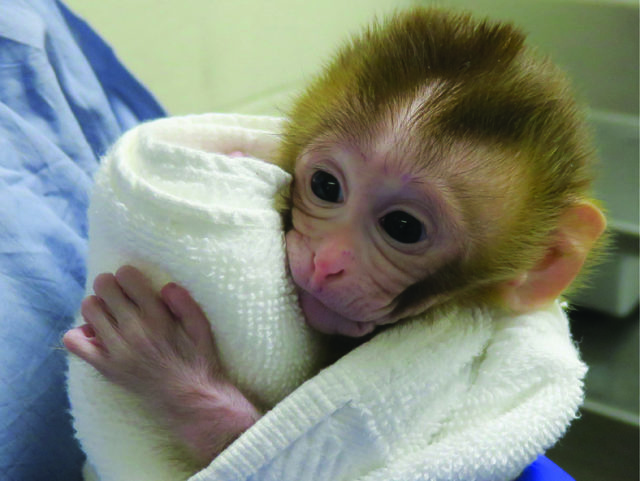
[{"x": 323, "y": 319}]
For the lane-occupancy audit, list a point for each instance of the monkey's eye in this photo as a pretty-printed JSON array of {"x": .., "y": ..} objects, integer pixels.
[
  {"x": 403, "y": 227},
  {"x": 326, "y": 187}
]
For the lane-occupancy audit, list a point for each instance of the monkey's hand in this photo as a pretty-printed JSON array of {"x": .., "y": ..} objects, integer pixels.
[{"x": 160, "y": 347}]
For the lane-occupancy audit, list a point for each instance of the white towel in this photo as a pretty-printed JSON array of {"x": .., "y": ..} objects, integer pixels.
[
  {"x": 464, "y": 396},
  {"x": 168, "y": 200},
  {"x": 454, "y": 395}
]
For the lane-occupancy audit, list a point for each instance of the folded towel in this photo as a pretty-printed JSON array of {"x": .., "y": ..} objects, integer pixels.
[
  {"x": 170, "y": 201},
  {"x": 456, "y": 394}
]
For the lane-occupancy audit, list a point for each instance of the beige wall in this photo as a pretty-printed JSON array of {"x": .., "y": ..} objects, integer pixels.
[
  {"x": 250, "y": 55},
  {"x": 223, "y": 55}
]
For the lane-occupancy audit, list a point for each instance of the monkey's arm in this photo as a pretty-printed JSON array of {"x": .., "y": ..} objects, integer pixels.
[{"x": 161, "y": 349}]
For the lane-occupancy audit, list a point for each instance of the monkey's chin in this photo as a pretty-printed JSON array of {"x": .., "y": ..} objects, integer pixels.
[{"x": 323, "y": 319}]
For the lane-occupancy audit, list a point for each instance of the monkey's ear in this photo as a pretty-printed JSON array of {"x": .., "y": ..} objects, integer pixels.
[{"x": 578, "y": 230}]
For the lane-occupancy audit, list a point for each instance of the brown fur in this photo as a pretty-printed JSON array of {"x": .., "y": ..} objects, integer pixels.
[{"x": 487, "y": 89}]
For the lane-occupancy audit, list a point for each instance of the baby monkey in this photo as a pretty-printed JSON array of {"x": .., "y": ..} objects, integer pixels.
[{"x": 436, "y": 160}]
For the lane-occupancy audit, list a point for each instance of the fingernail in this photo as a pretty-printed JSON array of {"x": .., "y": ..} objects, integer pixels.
[{"x": 88, "y": 331}]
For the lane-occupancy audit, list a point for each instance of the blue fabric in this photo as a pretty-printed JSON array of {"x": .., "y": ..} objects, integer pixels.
[
  {"x": 543, "y": 469},
  {"x": 64, "y": 99}
]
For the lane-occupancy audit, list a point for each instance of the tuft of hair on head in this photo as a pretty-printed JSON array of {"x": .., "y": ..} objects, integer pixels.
[{"x": 389, "y": 63}]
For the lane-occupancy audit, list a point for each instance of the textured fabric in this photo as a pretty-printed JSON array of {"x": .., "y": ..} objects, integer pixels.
[
  {"x": 64, "y": 99},
  {"x": 455, "y": 395},
  {"x": 464, "y": 395},
  {"x": 168, "y": 200}
]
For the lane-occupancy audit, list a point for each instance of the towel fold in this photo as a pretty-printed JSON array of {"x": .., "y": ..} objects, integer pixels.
[
  {"x": 455, "y": 394},
  {"x": 169, "y": 200}
]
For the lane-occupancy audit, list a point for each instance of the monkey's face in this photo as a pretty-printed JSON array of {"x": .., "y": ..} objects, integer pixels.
[{"x": 366, "y": 225}]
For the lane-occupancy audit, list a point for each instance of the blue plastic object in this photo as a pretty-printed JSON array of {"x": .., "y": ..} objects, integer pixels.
[{"x": 543, "y": 469}]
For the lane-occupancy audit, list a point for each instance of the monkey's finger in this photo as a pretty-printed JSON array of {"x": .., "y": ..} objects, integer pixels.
[
  {"x": 137, "y": 287},
  {"x": 81, "y": 341},
  {"x": 193, "y": 320},
  {"x": 102, "y": 326},
  {"x": 120, "y": 307}
]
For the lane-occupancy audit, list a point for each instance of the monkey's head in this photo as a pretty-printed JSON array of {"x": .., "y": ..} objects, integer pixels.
[{"x": 436, "y": 158}]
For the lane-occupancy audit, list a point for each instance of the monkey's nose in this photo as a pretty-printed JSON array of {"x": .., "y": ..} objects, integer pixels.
[{"x": 329, "y": 266}]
